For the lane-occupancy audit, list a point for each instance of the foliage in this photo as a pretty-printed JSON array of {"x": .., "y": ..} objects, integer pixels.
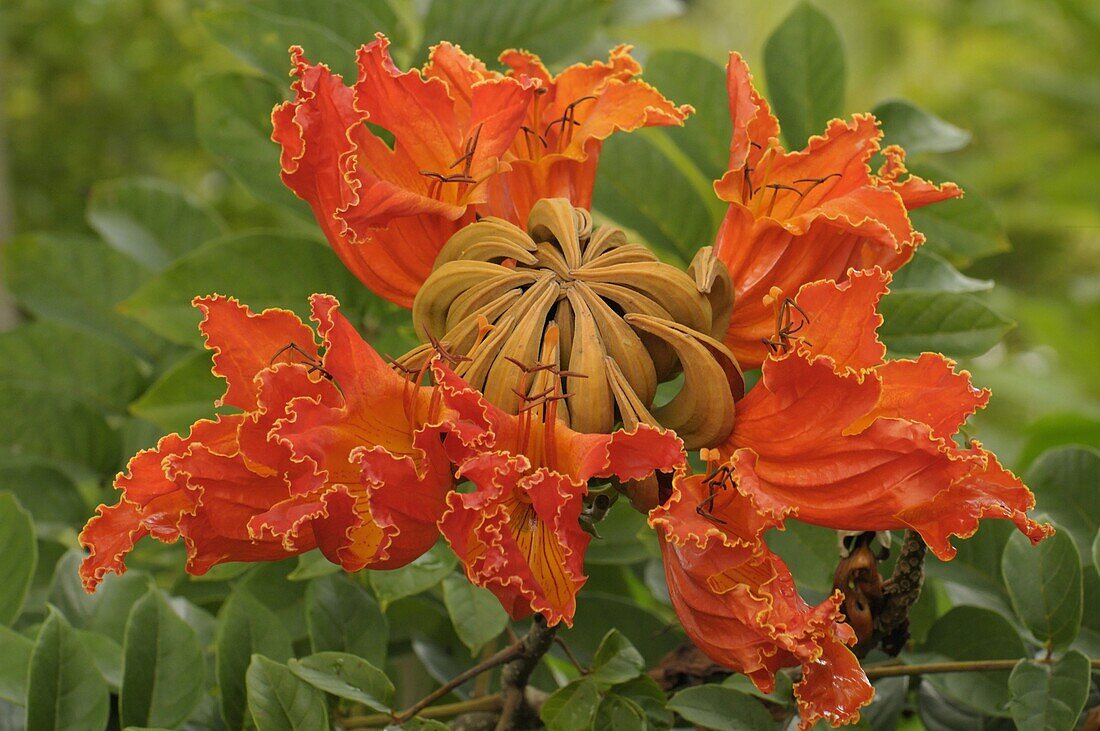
[{"x": 109, "y": 359}]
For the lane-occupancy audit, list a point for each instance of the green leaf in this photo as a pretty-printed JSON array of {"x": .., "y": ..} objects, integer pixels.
[
  {"x": 84, "y": 292},
  {"x": 929, "y": 271},
  {"x": 804, "y": 68},
  {"x": 962, "y": 230},
  {"x": 105, "y": 611},
  {"x": 343, "y": 617},
  {"x": 957, "y": 325},
  {"x": 616, "y": 660},
  {"x": 953, "y": 639},
  {"x": 1064, "y": 481},
  {"x": 783, "y": 693},
  {"x": 974, "y": 576},
  {"x": 615, "y": 711},
  {"x": 233, "y": 121},
  {"x": 645, "y": 692},
  {"x": 259, "y": 33},
  {"x": 64, "y": 690},
  {"x": 346, "y": 676},
  {"x": 281, "y": 701},
  {"x": 16, "y": 651},
  {"x": 675, "y": 217},
  {"x": 1049, "y": 697},
  {"x": 625, "y": 538},
  {"x": 688, "y": 78},
  {"x": 916, "y": 130},
  {"x": 57, "y": 359},
  {"x": 810, "y": 551},
  {"x": 46, "y": 492},
  {"x": 1096, "y": 552},
  {"x": 18, "y": 557},
  {"x": 1044, "y": 582},
  {"x": 162, "y": 672},
  {"x": 598, "y": 613},
  {"x": 571, "y": 708},
  {"x": 245, "y": 627},
  {"x": 554, "y": 29},
  {"x": 721, "y": 708},
  {"x": 62, "y": 431},
  {"x": 311, "y": 565},
  {"x": 475, "y": 613},
  {"x": 260, "y": 269},
  {"x": 422, "y": 574},
  {"x": 150, "y": 220},
  {"x": 107, "y": 655},
  {"x": 182, "y": 395}
]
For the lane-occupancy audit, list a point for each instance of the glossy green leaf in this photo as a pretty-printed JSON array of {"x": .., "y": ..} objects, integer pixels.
[
  {"x": 233, "y": 121},
  {"x": 259, "y": 33},
  {"x": 82, "y": 294},
  {"x": 61, "y": 360},
  {"x": 311, "y": 565},
  {"x": 644, "y": 691},
  {"x": 917, "y": 130},
  {"x": 688, "y": 78},
  {"x": 344, "y": 617},
  {"x": 62, "y": 431},
  {"x": 930, "y": 272},
  {"x": 163, "y": 668},
  {"x": 18, "y": 556},
  {"x": 279, "y": 700},
  {"x": 571, "y": 708},
  {"x": 598, "y": 613},
  {"x": 624, "y": 539},
  {"x": 1096, "y": 552},
  {"x": 16, "y": 651},
  {"x": 962, "y": 230},
  {"x": 953, "y": 639},
  {"x": 616, "y": 711},
  {"x": 957, "y": 325},
  {"x": 974, "y": 576},
  {"x": 260, "y": 269},
  {"x": 105, "y": 611},
  {"x": 475, "y": 612},
  {"x": 1064, "y": 481},
  {"x": 1044, "y": 582},
  {"x": 150, "y": 220},
  {"x": 721, "y": 708},
  {"x": 107, "y": 655},
  {"x": 47, "y": 493},
  {"x": 783, "y": 693},
  {"x": 1049, "y": 697},
  {"x": 420, "y": 575},
  {"x": 616, "y": 660},
  {"x": 647, "y": 184},
  {"x": 245, "y": 627},
  {"x": 939, "y": 713},
  {"x": 182, "y": 395},
  {"x": 64, "y": 690},
  {"x": 346, "y": 676},
  {"x": 810, "y": 551},
  {"x": 554, "y": 29},
  {"x": 804, "y": 68}
]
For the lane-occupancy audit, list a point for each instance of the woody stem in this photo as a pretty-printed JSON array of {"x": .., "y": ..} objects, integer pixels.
[
  {"x": 513, "y": 679},
  {"x": 971, "y": 666}
]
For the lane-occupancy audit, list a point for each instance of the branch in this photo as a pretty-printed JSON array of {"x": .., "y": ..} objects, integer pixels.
[
  {"x": 445, "y": 710},
  {"x": 514, "y": 677}
]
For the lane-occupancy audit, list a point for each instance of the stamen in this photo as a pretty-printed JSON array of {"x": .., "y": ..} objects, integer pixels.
[
  {"x": 568, "y": 119},
  {"x": 717, "y": 481},
  {"x": 307, "y": 359},
  {"x": 785, "y": 328}
]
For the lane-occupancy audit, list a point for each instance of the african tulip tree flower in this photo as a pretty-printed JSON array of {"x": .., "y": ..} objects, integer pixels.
[
  {"x": 796, "y": 217},
  {"x": 544, "y": 339},
  {"x": 466, "y": 139}
]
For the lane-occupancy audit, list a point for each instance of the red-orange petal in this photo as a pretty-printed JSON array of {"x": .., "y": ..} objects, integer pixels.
[
  {"x": 915, "y": 192},
  {"x": 755, "y": 128},
  {"x": 245, "y": 343}
]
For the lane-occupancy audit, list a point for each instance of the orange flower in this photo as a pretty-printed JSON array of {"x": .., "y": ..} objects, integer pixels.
[
  {"x": 832, "y": 435},
  {"x": 386, "y": 211},
  {"x": 518, "y": 532},
  {"x": 282, "y": 477},
  {"x": 797, "y": 217},
  {"x": 464, "y": 137}
]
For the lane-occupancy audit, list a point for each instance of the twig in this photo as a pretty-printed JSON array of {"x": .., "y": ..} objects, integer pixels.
[
  {"x": 509, "y": 653},
  {"x": 514, "y": 677},
  {"x": 899, "y": 593},
  {"x": 572, "y": 658},
  {"x": 970, "y": 666},
  {"x": 444, "y": 710}
]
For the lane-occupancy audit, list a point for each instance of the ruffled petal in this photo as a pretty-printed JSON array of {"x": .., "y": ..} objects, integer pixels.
[
  {"x": 738, "y": 603},
  {"x": 245, "y": 343},
  {"x": 915, "y": 192},
  {"x": 845, "y": 321},
  {"x": 755, "y": 128}
]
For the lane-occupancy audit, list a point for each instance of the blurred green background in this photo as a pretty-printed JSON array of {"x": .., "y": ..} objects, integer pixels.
[{"x": 102, "y": 89}]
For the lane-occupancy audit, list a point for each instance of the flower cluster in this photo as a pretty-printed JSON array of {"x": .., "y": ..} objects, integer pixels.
[{"x": 422, "y": 182}]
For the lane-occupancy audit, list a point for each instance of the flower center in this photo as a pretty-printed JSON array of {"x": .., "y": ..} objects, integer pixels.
[{"x": 603, "y": 321}]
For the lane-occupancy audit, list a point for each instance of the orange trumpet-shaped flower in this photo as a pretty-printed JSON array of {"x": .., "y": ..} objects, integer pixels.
[
  {"x": 464, "y": 137},
  {"x": 738, "y": 602},
  {"x": 518, "y": 532},
  {"x": 798, "y": 217},
  {"x": 386, "y": 211},
  {"x": 284, "y": 476}
]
